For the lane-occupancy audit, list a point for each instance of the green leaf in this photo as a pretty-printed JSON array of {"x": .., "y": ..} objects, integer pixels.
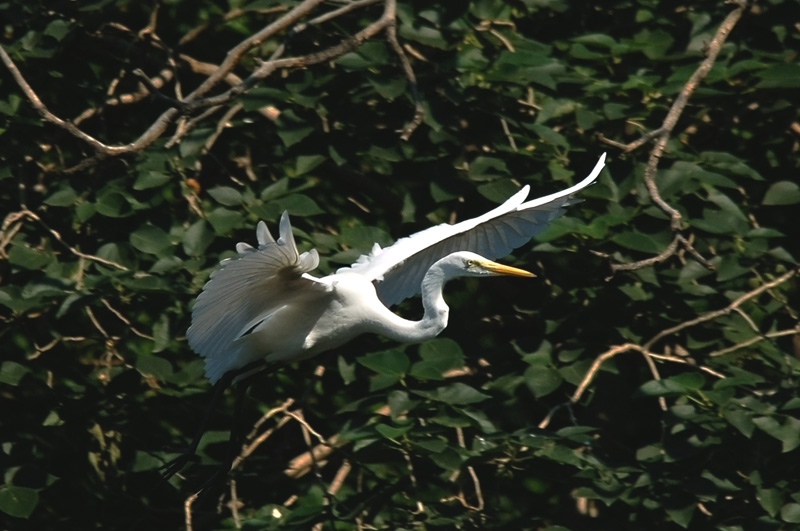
[
  {"x": 85, "y": 210},
  {"x": 152, "y": 365},
  {"x": 299, "y": 205},
  {"x": 782, "y": 193},
  {"x": 438, "y": 356},
  {"x": 346, "y": 370},
  {"x": 740, "y": 419},
  {"x": 150, "y": 239},
  {"x": 18, "y": 501},
  {"x": 499, "y": 190},
  {"x": 542, "y": 380},
  {"x": 392, "y": 432},
  {"x": 113, "y": 205},
  {"x": 12, "y": 372},
  {"x": 788, "y": 432},
  {"x": 223, "y": 220},
  {"x": 58, "y": 29},
  {"x": 192, "y": 143},
  {"x": 197, "y": 238},
  {"x": 681, "y": 384},
  {"x": 791, "y": 513},
  {"x": 161, "y": 334},
  {"x": 306, "y": 163},
  {"x": 682, "y": 516},
  {"x": 482, "y": 168},
  {"x": 275, "y": 190},
  {"x": 780, "y": 75},
  {"x": 292, "y": 129},
  {"x": 27, "y": 257},
  {"x": 151, "y": 179},
  {"x": 364, "y": 237},
  {"x": 549, "y": 135},
  {"x": 638, "y": 241},
  {"x": 392, "y": 362},
  {"x": 455, "y": 394},
  {"x": 400, "y": 403},
  {"x": 62, "y": 198},
  {"x": 389, "y": 88},
  {"x": 770, "y": 499},
  {"x": 226, "y": 195}
]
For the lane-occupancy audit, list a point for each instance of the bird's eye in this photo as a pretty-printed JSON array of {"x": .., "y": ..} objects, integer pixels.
[{"x": 469, "y": 264}]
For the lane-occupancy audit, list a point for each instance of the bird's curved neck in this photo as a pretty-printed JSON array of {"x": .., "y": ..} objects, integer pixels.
[{"x": 436, "y": 311}]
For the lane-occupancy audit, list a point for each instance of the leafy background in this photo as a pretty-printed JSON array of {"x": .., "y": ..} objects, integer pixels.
[{"x": 653, "y": 395}]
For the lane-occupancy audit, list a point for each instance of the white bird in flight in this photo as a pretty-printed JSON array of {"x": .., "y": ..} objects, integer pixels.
[{"x": 264, "y": 306}]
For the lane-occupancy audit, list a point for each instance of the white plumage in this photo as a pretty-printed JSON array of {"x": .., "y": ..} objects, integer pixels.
[{"x": 265, "y": 306}]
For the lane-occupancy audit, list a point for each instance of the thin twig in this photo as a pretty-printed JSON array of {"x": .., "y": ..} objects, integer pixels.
[
  {"x": 196, "y": 100},
  {"x": 306, "y": 426},
  {"x": 645, "y": 349},
  {"x": 507, "y": 132},
  {"x": 661, "y": 137},
  {"x": 45, "y": 113},
  {"x": 476, "y": 483},
  {"x": 49, "y": 345},
  {"x": 419, "y": 110},
  {"x": 125, "y": 319},
  {"x": 718, "y": 313},
  {"x": 755, "y": 339},
  {"x": 301, "y": 464},
  {"x": 234, "y": 504},
  {"x": 268, "y": 67},
  {"x": 253, "y": 440},
  {"x": 32, "y": 215}
]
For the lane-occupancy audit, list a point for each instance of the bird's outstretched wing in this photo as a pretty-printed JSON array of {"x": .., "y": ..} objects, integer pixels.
[
  {"x": 247, "y": 289},
  {"x": 397, "y": 271}
]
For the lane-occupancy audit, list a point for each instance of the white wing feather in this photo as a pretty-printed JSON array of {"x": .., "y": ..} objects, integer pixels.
[
  {"x": 246, "y": 290},
  {"x": 397, "y": 271}
]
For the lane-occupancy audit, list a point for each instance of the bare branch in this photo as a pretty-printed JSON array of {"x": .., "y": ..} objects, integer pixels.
[
  {"x": 253, "y": 440},
  {"x": 32, "y": 215},
  {"x": 668, "y": 251},
  {"x": 268, "y": 67},
  {"x": 125, "y": 319},
  {"x": 419, "y": 111},
  {"x": 756, "y": 339},
  {"x": 662, "y": 135},
  {"x": 718, "y": 313},
  {"x": 197, "y": 99},
  {"x": 49, "y": 116},
  {"x": 304, "y": 462}
]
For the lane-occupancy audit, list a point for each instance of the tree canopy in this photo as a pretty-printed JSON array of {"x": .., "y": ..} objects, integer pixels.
[{"x": 647, "y": 379}]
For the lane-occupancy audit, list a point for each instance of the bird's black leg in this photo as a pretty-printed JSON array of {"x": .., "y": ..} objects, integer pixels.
[
  {"x": 217, "y": 479},
  {"x": 173, "y": 466}
]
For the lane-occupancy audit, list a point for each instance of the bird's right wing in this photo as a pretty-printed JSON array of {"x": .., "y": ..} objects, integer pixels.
[
  {"x": 247, "y": 289},
  {"x": 397, "y": 271}
]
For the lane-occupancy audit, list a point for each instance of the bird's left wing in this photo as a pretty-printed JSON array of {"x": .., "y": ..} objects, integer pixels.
[
  {"x": 397, "y": 271},
  {"x": 247, "y": 288}
]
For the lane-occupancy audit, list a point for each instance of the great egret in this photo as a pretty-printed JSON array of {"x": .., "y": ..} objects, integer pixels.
[{"x": 263, "y": 306}]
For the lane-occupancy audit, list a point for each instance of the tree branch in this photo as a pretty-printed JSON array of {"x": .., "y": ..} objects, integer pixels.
[
  {"x": 48, "y": 116},
  {"x": 661, "y": 137},
  {"x": 646, "y": 348}
]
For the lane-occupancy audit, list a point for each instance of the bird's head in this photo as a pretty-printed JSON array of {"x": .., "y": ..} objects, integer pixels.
[{"x": 467, "y": 264}]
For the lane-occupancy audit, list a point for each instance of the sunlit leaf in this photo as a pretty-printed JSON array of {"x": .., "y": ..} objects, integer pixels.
[
  {"x": 782, "y": 193},
  {"x": 150, "y": 239},
  {"x": 17, "y": 501}
]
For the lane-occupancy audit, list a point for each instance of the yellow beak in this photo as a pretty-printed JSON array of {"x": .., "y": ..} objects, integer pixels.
[{"x": 500, "y": 269}]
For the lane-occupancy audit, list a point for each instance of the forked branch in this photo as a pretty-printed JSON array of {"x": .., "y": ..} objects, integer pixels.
[
  {"x": 198, "y": 100},
  {"x": 661, "y": 137}
]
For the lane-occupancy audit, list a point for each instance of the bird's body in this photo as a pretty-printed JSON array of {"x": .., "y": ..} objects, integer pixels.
[{"x": 265, "y": 306}]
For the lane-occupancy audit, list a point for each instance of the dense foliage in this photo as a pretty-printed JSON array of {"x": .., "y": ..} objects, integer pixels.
[{"x": 647, "y": 379}]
